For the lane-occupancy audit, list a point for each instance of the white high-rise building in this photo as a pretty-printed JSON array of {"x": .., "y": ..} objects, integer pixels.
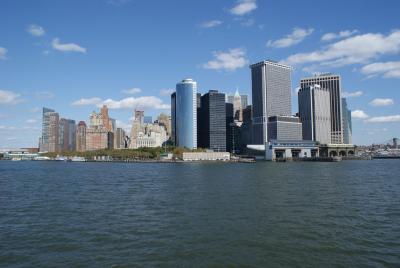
[
  {"x": 314, "y": 112},
  {"x": 332, "y": 83},
  {"x": 271, "y": 95}
]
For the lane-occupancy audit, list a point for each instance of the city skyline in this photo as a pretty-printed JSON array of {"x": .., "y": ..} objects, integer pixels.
[{"x": 75, "y": 68}]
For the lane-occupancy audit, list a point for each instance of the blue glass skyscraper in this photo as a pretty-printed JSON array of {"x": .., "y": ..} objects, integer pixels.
[{"x": 184, "y": 111}]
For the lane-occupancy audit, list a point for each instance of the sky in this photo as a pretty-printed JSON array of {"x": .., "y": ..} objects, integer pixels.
[{"x": 74, "y": 56}]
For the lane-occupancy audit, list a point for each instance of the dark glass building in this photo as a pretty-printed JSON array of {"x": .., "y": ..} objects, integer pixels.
[{"x": 212, "y": 121}]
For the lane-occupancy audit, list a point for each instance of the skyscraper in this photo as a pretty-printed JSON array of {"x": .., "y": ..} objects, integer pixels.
[
  {"x": 212, "y": 121},
  {"x": 332, "y": 83},
  {"x": 184, "y": 110},
  {"x": 244, "y": 100},
  {"x": 347, "y": 127},
  {"x": 120, "y": 139},
  {"x": 173, "y": 118},
  {"x": 314, "y": 112},
  {"x": 44, "y": 141},
  {"x": 81, "y": 137},
  {"x": 53, "y": 132},
  {"x": 67, "y": 135},
  {"x": 271, "y": 95}
]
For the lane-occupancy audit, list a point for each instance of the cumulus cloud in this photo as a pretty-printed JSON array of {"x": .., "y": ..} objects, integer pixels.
[
  {"x": 35, "y": 30},
  {"x": 210, "y": 23},
  {"x": 31, "y": 121},
  {"x": 123, "y": 125},
  {"x": 3, "y": 52},
  {"x": 9, "y": 97},
  {"x": 359, "y": 114},
  {"x": 352, "y": 94},
  {"x": 381, "y": 102},
  {"x": 244, "y": 7},
  {"x": 342, "y": 34},
  {"x": 291, "y": 39},
  {"x": 355, "y": 49},
  {"x": 390, "y": 69},
  {"x": 146, "y": 102},
  {"x": 166, "y": 91},
  {"x": 88, "y": 101},
  {"x": 67, "y": 47},
  {"x": 132, "y": 91},
  {"x": 229, "y": 61},
  {"x": 384, "y": 119}
]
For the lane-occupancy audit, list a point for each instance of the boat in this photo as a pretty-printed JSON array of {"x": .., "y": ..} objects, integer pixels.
[
  {"x": 41, "y": 158},
  {"x": 78, "y": 159},
  {"x": 60, "y": 158}
]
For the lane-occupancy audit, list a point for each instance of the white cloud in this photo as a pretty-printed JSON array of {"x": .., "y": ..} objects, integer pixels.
[
  {"x": 35, "y": 30},
  {"x": 390, "y": 69},
  {"x": 9, "y": 97},
  {"x": 31, "y": 121},
  {"x": 384, "y": 119},
  {"x": 123, "y": 125},
  {"x": 359, "y": 114},
  {"x": 229, "y": 61},
  {"x": 88, "y": 101},
  {"x": 134, "y": 90},
  {"x": 381, "y": 102},
  {"x": 244, "y": 7},
  {"x": 2, "y": 127},
  {"x": 34, "y": 110},
  {"x": 146, "y": 102},
  {"x": 3, "y": 52},
  {"x": 352, "y": 94},
  {"x": 167, "y": 91},
  {"x": 342, "y": 34},
  {"x": 67, "y": 47},
  {"x": 291, "y": 39},
  {"x": 210, "y": 23},
  {"x": 355, "y": 49}
]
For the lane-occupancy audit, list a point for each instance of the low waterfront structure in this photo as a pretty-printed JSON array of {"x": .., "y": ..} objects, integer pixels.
[
  {"x": 206, "y": 156},
  {"x": 331, "y": 150},
  {"x": 288, "y": 149}
]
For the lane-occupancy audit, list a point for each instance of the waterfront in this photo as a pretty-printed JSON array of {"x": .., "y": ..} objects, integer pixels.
[{"x": 299, "y": 214}]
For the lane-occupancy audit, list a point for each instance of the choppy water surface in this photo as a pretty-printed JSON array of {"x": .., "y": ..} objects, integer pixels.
[{"x": 343, "y": 214}]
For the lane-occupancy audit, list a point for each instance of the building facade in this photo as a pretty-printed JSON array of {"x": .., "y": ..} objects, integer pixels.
[
  {"x": 212, "y": 121},
  {"x": 332, "y": 83},
  {"x": 81, "y": 136},
  {"x": 53, "y": 132},
  {"x": 120, "y": 140},
  {"x": 67, "y": 135},
  {"x": 284, "y": 128},
  {"x": 44, "y": 140},
  {"x": 347, "y": 125},
  {"x": 173, "y": 118},
  {"x": 314, "y": 112},
  {"x": 184, "y": 111},
  {"x": 98, "y": 139},
  {"x": 271, "y": 95}
]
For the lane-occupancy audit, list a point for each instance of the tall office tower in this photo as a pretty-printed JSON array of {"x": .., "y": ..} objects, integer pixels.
[
  {"x": 229, "y": 127},
  {"x": 185, "y": 114},
  {"x": 139, "y": 115},
  {"x": 120, "y": 139},
  {"x": 244, "y": 100},
  {"x": 315, "y": 113},
  {"x": 99, "y": 138},
  {"x": 67, "y": 135},
  {"x": 165, "y": 120},
  {"x": 173, "y": 118},
  {"x": 96, "y": 120},
  {"x": 105, "y": 118},
  {"x": 247, "y": 127},
  {"x": 81, "y": 136},
  {"x": 212, "y": 122},
  {"x": 271, "y": 95},
  {"x": 332, "y": 83},
  {"x": 285, "y": 128},
  {"x": 147, "y": 119},
  {"x": 53, "y": 132},
  {"x": 347, "y": 126},
  {"x": 44, "y": 140},
  {"x": 237, "y": 106}
]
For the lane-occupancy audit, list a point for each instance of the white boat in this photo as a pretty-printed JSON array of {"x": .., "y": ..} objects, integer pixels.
[
  {"x": 78, "y": 159},
  {"x": 60, "y": 158},
  {"x": 41, "y": 158}
]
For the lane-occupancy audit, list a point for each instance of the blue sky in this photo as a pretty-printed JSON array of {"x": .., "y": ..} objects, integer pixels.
[{"x": 75, "y": 55}]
